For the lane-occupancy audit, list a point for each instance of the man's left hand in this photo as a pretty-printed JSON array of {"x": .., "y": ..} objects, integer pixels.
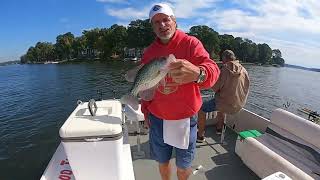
[{"x": 182, "y": 71}]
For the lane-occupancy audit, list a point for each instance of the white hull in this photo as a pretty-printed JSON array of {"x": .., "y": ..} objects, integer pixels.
[{"x": 59, "y": 168}]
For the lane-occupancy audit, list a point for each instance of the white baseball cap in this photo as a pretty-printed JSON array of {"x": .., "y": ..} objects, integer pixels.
[{"x": 160, "y": 8}]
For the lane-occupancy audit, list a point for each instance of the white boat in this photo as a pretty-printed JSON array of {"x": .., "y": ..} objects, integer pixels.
[
  {"x": 243, "y": 155},
  {"x": 134, "y": 59},
  {"x": 51, "y": 62}
]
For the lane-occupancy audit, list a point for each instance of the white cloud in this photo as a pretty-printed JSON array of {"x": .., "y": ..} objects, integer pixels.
[
  {"x": 123, "y": 23},
  {"x": 271, "y": 16},
  {"x": 184, "y": 27},
  {"x": 300, "y": 54},
  {"x": 181, "y": 8},
  {"x": 291, "y": 26},
  {"x": 128, "y": 13},
  {"x": 189, "y": 8}
]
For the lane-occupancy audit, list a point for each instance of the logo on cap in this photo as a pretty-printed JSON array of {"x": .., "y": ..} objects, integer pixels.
[{"x": 156, "y": 8}]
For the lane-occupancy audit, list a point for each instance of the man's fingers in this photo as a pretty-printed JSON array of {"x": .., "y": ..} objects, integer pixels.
[
  {"x": 176, "y": 64},
  {"x": 146, "y": 123},
  {"x": 175, "y": 73}
]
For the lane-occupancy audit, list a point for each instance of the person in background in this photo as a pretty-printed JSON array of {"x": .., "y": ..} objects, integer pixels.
[
  {"x": 231, "y": 92},
  {"x": 172, "y": 113}
]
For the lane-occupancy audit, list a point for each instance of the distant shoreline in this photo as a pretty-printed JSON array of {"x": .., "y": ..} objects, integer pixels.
[
  {"x": 9, "y": 63},
  {"x": 93, "y": 60},
  {"x": 243, "y": 63},
  {"x": 301, "y": 67}
]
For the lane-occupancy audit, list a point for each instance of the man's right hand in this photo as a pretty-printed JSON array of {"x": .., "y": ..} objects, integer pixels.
[
  {"x": 182, "y": 71},
  {"x": 146, "y": 123},
  {"x": 146, "y": 120}
]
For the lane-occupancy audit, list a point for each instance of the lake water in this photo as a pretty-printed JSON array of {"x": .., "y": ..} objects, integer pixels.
[{"x": 36, "y": 100}]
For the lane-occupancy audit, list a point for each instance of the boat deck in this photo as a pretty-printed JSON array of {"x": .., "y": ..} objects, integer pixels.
[{"x": 218, "y": 161}]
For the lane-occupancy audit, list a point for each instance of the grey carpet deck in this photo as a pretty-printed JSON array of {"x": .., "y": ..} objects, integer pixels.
[{"x": 219, "y": 162}]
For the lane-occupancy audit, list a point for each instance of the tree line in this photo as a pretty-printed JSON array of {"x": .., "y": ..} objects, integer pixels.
[{"x": 105, "y": 43}]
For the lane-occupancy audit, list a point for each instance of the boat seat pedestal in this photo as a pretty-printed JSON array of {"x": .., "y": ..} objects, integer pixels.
[{"x": 137, "y": 117}]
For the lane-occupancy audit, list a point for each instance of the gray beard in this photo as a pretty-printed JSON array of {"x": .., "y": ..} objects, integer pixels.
[{"x": 166, "y": 37}]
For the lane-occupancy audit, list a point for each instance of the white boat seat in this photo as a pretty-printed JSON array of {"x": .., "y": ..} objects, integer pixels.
[
  {"x": 302, "y": 155},
  {"x": 133, "y": 115},
  {"x": 289, "y": 145}
]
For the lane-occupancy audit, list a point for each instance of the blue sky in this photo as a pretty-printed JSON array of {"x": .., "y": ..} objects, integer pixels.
[{"x": 293, "y": 26}]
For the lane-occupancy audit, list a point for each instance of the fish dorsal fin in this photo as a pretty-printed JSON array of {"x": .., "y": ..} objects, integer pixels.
[{"x": 171, "y": 58}]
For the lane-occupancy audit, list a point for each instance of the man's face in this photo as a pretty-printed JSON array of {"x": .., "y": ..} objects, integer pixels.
[{"x": 164, "y": 26}]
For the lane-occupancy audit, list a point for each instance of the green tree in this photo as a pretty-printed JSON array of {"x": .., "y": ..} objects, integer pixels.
[
  {"x": 255, "y": 53},
  {"x": 140, "y": 34},
  {"x": 276, "y": 53},
  {"x": 227, "y": 42},
  {"x": 92, "y": 37},
  {"x": 265, "y": 53},
  {"x": 23, "y": 59},
  {"x": 277, "y": 57},
  {"x": 95, "y": 39},
  {"x": 45, "y": 51},
  {"x": 208, "y": 37},
  {"x": 245, "y": 51},
  {"x": 64, "y": 45},
  {"x": 250, "y": 51},
  {"x": 116, "y": 39},
  {"x": 239, "y": 52},
  {"x": 79, "y": 46},
  {"x": 32, "y": 54}
]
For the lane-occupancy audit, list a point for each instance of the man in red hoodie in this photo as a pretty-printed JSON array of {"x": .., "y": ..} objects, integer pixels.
[{"x": 176, "y": 103}]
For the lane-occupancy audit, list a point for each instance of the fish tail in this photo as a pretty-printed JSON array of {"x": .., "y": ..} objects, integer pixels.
[{"x": 130, "y": 100}]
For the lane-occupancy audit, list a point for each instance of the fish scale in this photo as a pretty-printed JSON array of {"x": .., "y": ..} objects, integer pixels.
[{"x": 146, "y": 79}]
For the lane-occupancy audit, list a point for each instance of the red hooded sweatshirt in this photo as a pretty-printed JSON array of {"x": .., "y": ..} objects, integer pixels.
[{"x": 173, "y": 101}]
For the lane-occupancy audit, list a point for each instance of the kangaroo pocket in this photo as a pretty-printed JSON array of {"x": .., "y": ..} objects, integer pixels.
[{"x": 183, "y": 103}]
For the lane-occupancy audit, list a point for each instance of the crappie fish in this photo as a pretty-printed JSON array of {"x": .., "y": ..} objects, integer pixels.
[{"x": 146, "y": 80}]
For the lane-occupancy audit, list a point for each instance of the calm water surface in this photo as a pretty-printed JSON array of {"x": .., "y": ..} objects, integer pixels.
[{"x": 36, "y": 100}]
